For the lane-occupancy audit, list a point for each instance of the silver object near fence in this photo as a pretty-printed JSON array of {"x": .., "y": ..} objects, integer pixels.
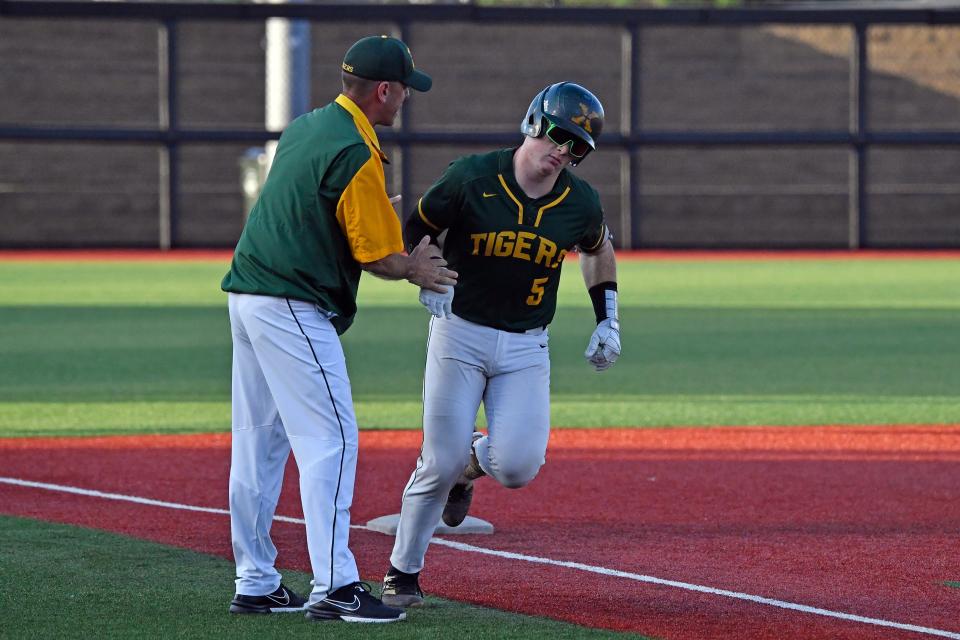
[{"x": 781, "y": 127}]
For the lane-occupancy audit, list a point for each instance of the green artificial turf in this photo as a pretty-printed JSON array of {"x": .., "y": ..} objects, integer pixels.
[
  {"x": 69, "y": 582},
  {"x": 144, "y": 347}
]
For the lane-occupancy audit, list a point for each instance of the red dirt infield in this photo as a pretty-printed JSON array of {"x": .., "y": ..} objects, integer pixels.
[{"x": 859, "y": 520}]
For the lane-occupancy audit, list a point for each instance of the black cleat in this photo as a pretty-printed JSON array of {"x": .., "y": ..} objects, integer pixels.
[
  {"x": 401, "y": 589},
  {"x": 458, "y": 502},
  {"x": 461, "y": 495},
  {"x": 353, "y": 603},
  {"x": 280, "y": 601}
]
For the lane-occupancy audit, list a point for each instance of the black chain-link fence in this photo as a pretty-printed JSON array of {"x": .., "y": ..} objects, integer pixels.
[{"x": 125, "y": 124}]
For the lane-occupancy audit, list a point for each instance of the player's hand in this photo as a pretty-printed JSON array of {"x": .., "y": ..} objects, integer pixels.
[
  {"x": 604, "y": 347},
  {"x": 439, "y": 304},
  {"x": 428, "y": 269}
]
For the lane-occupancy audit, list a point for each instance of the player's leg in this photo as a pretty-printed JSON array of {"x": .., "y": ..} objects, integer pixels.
[
  {"x": 454, "y": 380},
  {"x": 517, "y": 406},
  {"x": 303, "y": 363},
  {"x": 259, "y": 451}
]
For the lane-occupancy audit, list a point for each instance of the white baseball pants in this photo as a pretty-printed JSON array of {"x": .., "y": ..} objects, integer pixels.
[
  {"x": 468, "y": 363},
  {"x": 290, "y": 391}
]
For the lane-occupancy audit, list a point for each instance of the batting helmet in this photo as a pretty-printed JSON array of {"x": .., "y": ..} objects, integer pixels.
[{"x": 569, "y": 107}]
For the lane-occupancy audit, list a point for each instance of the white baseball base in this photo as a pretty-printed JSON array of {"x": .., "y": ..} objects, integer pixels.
[{"x": 388, "y": 525}]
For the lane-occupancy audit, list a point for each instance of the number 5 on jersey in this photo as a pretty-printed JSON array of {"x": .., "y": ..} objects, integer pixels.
[{"x": 536, "y": 291}]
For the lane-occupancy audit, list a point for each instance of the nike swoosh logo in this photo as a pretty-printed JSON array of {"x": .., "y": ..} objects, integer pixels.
[
  {"x": 346, "y": 606},
  {"x": 489, "y": 195},
  {"x": 284, "y": 602}
]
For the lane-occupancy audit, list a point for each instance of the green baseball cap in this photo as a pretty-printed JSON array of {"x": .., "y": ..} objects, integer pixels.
[{"x": 385, "y": 58}]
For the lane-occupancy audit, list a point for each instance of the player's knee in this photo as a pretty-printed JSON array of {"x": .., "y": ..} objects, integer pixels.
[
  {"x": 516, "y": 481},
  {"x": 517, "y": 474}
]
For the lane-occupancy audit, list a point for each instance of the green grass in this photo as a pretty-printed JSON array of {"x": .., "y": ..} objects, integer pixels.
[
  {"x": 93, "y": 348},
  {"x": 69, "y": 582}
]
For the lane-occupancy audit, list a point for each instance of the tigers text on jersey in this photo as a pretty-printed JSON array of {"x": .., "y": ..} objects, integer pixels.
[
  {"x": 506, "y": 247},
  {"x": 323, "y": 210}
]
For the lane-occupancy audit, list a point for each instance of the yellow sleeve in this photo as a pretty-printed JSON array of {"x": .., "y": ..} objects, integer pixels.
[{"x": 367, "y": 218}]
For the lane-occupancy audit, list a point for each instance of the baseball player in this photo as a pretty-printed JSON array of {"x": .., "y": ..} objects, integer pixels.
[
  {"x": 510, "y": 216},
  {"x": 322, "y": 217}
]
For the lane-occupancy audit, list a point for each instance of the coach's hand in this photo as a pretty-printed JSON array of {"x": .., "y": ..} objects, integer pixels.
[
  {"x": 439, "y": 304},
  {"x": 428, "y": 269},
  {"x": 604, "y": 347}
]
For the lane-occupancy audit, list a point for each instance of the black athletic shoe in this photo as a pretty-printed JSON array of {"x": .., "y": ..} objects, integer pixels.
[
  {"x": 401, "y": 589},
  {"x": 461, "y": 495},
  {"x": 353, "y": 603},
  {"x": 458, "y": 503},
  {"x": 280, "y": 601}
]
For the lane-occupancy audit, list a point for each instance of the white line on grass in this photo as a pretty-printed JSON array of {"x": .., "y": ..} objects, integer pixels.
[
  {"x": 125, "y": 498},
  {"x": 469, "y": 548}
]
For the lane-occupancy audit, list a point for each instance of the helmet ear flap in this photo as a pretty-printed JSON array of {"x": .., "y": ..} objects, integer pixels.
[
  {"x": 532, "y": 124},
  {"x": 535, "y": 125}
]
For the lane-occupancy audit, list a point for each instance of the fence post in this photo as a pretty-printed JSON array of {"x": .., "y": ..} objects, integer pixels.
[
  {"x": 857, "y": 189},
  {"x": 167, "y": 112},
  {"x": 630, "y": 127},
  {"x": 287, "y": 69}
]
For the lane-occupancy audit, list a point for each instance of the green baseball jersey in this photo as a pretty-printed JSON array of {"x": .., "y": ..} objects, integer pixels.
[
  {"x": 506, "y": 247},
  {"x": 322, "y": 212}
]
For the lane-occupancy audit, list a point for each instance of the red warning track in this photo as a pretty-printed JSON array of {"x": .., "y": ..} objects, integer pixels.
[{"x": 859, "y": 520}]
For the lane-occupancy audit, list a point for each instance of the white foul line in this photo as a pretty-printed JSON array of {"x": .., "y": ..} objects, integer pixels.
[
  {"x": 460, "y": 546},
  {"x": 695, "y": 587},
  {"x": 137, "y": 499}
]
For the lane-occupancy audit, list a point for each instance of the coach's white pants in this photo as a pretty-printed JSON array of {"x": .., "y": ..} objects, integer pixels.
[
  {"x": 290, "y": 390},
  {"x": 467, "y": 363}
]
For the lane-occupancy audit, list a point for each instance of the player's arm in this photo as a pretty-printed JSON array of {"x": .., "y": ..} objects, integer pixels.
[
  {"x": 600, "y": 267},
  {"x": 437, "y": 209},
  {"x": 418, "y": 226},
  {"x": 434, "y": 213},
  {"x": 598, "y": 264}
]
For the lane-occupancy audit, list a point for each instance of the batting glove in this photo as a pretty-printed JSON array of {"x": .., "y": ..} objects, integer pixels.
[
  {"x": 604, "y": 347},
  {"x": 439, "y": 304}
]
